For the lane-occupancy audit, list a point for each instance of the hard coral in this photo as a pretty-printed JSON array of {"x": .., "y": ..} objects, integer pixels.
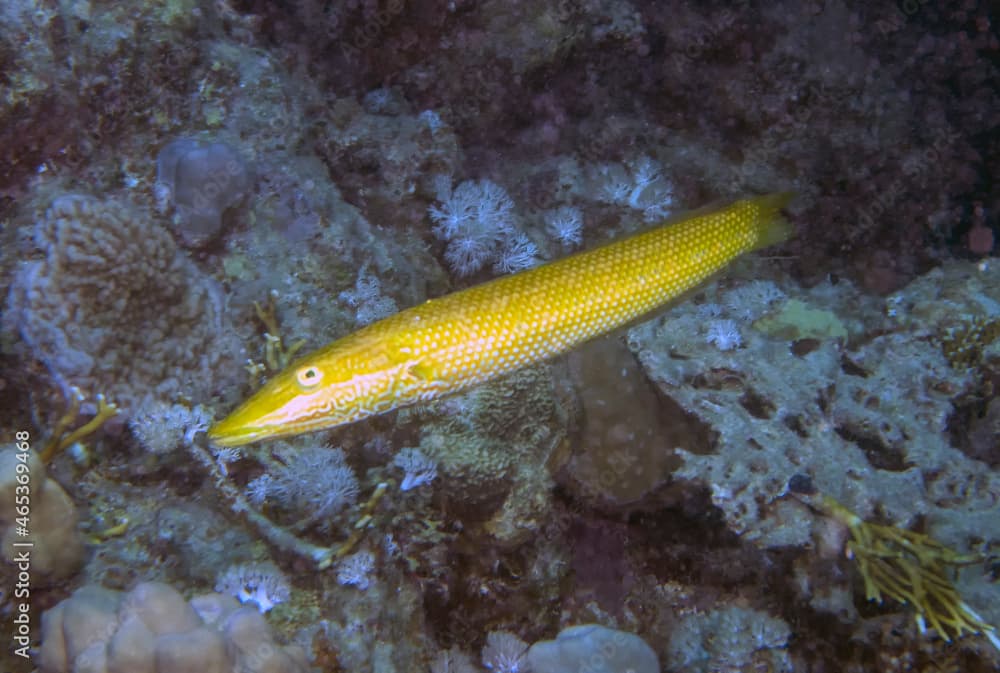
[
  {"x": 152, "y": 629},
  {"x": 57, "y": 549},
  {"x": 491, "y": 445},
  {"x": 591, "y": 647},
  {"x": 864, "y": 413},
  {"x": 911, "y": 567},
  {"x": 201, "y": 181},
  {"x": 114, "y": 306},
  {"x": 730, "y": 638},
  {"x": 80, "y": 77}
]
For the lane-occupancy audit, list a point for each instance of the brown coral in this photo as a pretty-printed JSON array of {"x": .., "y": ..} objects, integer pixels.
[{"x": 114, "y": 306}]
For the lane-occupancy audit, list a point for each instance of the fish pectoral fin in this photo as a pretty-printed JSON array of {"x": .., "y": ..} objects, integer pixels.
[
  {"x": 418, "y": 369},
  {"x": 411, "y": 368}
]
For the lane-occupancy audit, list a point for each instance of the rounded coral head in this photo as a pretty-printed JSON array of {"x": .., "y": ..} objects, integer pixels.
[{"x": 201, "y": 180}]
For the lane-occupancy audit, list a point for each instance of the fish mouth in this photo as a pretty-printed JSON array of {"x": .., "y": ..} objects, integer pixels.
[
  {"x": 245, "y": 426},
  {"x": 238, "y": 430},
  {"x": 269, "y": 413},
  {"x": 228, "y": 434}
]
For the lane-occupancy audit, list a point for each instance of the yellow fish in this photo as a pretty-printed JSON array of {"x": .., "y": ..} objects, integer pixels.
[{"x": 457, "y": 341}]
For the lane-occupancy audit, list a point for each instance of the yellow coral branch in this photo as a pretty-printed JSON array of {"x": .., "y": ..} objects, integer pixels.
[
  {"x": 364, "y": 521},
  {"x": 911, "y": 568},
  {"x": 62, "y": 425},
  {"x": 276, "y": 356},
  {"x": 60, "y": 440}
]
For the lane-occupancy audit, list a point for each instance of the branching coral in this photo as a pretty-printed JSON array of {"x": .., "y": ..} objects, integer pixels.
[
  {"x": 63, "y": 437},
  {"x": 277, "y": 355},
  {"x": 911, "y": 568}
]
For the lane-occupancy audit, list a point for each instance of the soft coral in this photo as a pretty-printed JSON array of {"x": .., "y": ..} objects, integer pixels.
[{"x": 476, "y": 218}]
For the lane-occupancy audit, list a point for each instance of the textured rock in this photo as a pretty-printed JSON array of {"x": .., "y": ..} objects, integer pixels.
[
  {"x": 202, "y": 181},
  {"x": 595, "y": 649}
]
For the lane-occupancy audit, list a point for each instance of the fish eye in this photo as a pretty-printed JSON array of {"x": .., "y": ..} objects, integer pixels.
[{"x": 308, "y": 377}]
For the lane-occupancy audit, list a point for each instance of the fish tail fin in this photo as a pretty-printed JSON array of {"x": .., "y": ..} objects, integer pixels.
[{"x": 772, "y": 227}]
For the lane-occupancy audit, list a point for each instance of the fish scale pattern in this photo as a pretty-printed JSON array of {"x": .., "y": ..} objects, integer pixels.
[
  {"x": 498, "y": 327},
  {"x": 448, "y": 344}
]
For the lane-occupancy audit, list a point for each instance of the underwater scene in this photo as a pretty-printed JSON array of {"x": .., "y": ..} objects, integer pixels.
[{"x": 481, "y": 336}]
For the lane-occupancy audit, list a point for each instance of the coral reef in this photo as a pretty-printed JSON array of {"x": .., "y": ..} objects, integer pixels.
[
  {"x": 491, "y": 446},
  {"x": 152, "y": 629},
  {"x": 113, "y": 306},
  {"x": 729, "y": 639},
  {"x": 193, "y": 192},
  {"x": 865, "y": 417}
]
